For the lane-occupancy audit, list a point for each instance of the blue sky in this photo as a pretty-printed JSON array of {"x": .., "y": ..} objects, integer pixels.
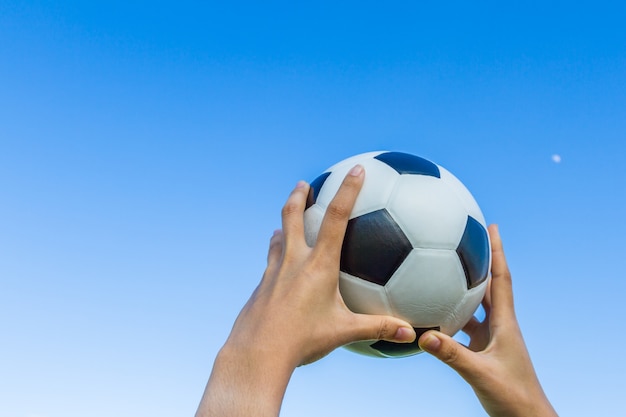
[{"x": 146, "y": 149}]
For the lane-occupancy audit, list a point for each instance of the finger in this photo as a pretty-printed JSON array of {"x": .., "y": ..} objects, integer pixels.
[
  {"x": 333, "y": 228},
  {"x": 471, "y": 327},
  {"x": 275, "y": 252},
  {"x": 449, "y": 351},
  {"x": 274, "y": 258},
  {"x": 379, "y": 327},
  {"x": 501, "y": 285},
  {"x": 486, "y": 301},
  {"x": 292, "y": 215}
]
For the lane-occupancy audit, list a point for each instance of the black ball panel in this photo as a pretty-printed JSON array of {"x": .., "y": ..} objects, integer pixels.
[
  {"x": 314, "y": 188},
  {"x": 405, "y": 163},
  {"x": 374, "y": 247},
  {"x": 473, "y": 250},
  {"x": 393, "y": 349}
]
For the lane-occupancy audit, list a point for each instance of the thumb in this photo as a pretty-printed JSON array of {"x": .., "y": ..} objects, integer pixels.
[
  {"x": 449, "y": 351},
  {"x": 378, "y": 327}
]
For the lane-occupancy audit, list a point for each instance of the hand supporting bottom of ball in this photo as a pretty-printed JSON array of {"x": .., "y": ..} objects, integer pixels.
[
  {"x": 296, "y": 315},
  {"x": 497, "y": 364}
]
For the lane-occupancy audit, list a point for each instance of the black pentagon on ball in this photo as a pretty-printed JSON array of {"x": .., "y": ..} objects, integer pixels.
[
  {"x": 315, "y": 187},
  {"x": 374, "y": 247},
  {"x": 405, "y": 163},
  {"x": 402, "y": 349},
  {"x": 473, "y": 250}
]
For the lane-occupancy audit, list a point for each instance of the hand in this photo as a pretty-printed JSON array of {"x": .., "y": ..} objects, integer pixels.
[
  {"x": 497, "y": 364},
  {"x": 296, "y": 315}
]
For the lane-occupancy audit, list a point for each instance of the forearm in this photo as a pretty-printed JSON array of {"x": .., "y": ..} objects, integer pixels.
[{"x": 243, "y": 384}]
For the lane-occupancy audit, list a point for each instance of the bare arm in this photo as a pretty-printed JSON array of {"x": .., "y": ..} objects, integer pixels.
[{"x": 295, "y": 316}]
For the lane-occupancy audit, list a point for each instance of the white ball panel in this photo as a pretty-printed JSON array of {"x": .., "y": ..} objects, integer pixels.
[
  {"x": 429, "y": 213},
  {"x": 363, "y": 296},
  {"x": 313, "y": 217},
  {"x": 466, "y": 308},
  {"x": 466, "y": 198},
  {"x": 377, "y": 187},
  {"x": 426, "y": 288}
]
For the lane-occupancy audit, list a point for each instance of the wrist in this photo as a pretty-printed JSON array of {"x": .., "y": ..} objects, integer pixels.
[
  {"x": 254, "y": 358},
  {"x": 245, "y": 381},
  {"x": 530, "y": 402}
]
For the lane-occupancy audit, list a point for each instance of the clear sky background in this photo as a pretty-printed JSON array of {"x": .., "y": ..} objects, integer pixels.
[{"x": 146, "y": 149}]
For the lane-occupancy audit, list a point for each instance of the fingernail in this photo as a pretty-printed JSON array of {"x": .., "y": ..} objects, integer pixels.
[
  {"x": 430, "y": 343},
  {"x": 277, "y": 232},
  {"x": 404, "y": 334},
  {"x": 300, "y": 184},
  {"x": 356, "y": 171}
]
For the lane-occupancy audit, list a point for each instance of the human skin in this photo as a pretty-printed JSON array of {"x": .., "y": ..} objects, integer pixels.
[{"x": 296, "y": 316}]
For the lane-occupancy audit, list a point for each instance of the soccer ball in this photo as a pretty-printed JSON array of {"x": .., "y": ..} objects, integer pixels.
[{"x": 416, "y": 245}]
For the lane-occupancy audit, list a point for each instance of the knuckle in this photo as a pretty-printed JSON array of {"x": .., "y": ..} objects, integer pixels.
[
  {"x": 337, "y": 210},
  {"x": 383, "y": 330},
  {"x": 450, "y": 355},
  {"x": 276, "y": 245},
  {"x": 290, "y": 208}
]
